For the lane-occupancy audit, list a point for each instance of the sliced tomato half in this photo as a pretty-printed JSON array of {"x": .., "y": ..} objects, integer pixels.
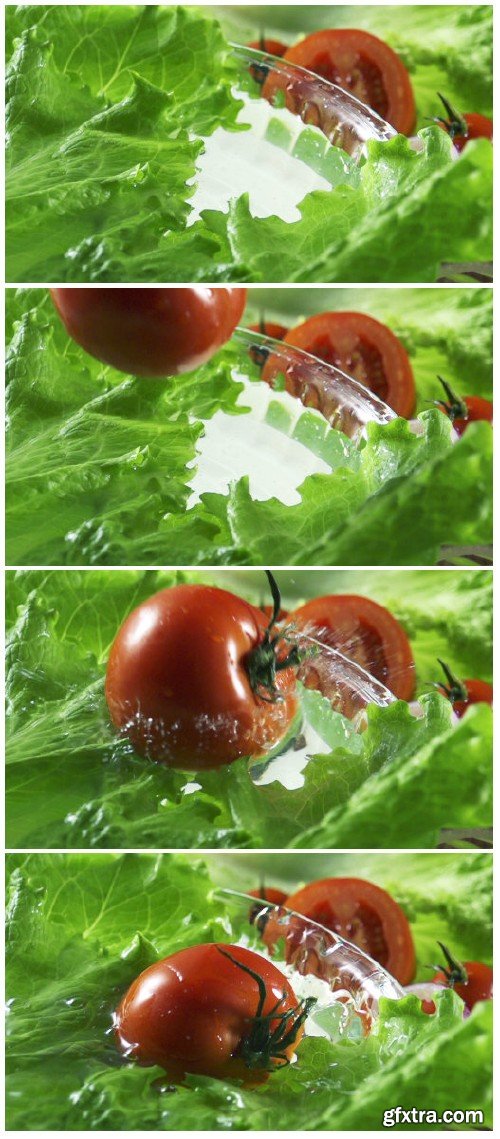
[
  {"x": 365, "y": 632},
  {"x": 361, "y": 346},
  {"x": 362, "y": 913},
  {"x": 360, "y": 63}
]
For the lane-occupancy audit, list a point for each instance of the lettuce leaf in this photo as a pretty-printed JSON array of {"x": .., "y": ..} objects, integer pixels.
[
  {"x": 72, "y": 783},
  {"x": 80, "y": 928},
  {"x": 99, "y": 466},
  {"x": 108, "y": 110}
]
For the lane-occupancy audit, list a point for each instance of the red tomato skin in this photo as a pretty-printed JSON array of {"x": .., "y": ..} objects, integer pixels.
[
  {"x": 150, "y": 333},
  {"x": 268, "y": 612},
  {"x": 362, "y": 347},
  {"x": 365, "y": 632},
  {"x": 478, "y": 409},
  {"x": 269, "y": 328},
  {"x": 478, "y": 126},
  {"x": 189, "y": 1012},
  {"x": 272, "y": 47},
  {"x": 360, "y": 912},
  {"x": 359, "y": 63},
  {"x": 478, "y": 692},
  {"x": 177, "y": 684},
  {"x": 478, "y": 987}
]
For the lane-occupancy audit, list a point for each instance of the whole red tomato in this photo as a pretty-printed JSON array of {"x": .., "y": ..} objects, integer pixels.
[
  {"x": 472, "y": 980},
  {"x": 463, "y": 693},
  {"x": 462, "y": 410},
  {"x": 269, "y": 894},
  {"x": 272, "y": 47},
  {"x": 151, "y": 332},
  {"x": 464, "y": 128},
  {"x": 195, "y": 680},
  {"x": 215, "y": 1010}
]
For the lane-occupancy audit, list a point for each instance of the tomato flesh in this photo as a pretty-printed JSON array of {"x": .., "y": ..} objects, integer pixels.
[
  {"x": 151, "y": 332},
  {"x": 366, "y": 633},
  {"x": 361, "y": 913},
  {"x": 195, "y": 1011},
  {"x": 178, "y": 683},
  {"x": 360, "y": 346},
  {"x": 363, "y": 65}
]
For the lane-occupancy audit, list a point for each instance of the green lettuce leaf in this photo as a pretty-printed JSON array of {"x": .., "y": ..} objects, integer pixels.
[
  {"x": 359, "y": 517},
  {"x": 99, "y": 466},
  {"x": 72, "y": 783},
  {"x": 373, "y": 231},
  {"x": 107, "y": 113},
  {"x": 81, "y": 927},
  {"x": 106, "y": 110}
]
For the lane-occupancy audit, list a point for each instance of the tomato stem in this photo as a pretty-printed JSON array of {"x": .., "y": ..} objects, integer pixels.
[
  {"x": 263, "y": 663},
  {"x": 264, "y": 1045},
  {"x": 454, "y": 689},
  {"x": 454, "y": 407},
  {"x": 454, "y": 971},
  {"x": 455, "y": 125},
  {"x": 276, "y": 596}
]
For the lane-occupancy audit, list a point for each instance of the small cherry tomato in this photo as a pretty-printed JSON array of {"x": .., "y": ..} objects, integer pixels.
[
  {"x": 361, "y": 913},
  {"x": 268, "y": 611},
  {"x": 196, "y": 679},
  {"x": 462, "y": 411},
  {"x": 463, "y": 693},
  {"x": 359, "y": 345},
  {"x": 269, "y": 328},
  {"x": 151, "y": 332},
  {"x": 213, "y": 1010},
  {"x": 464, "y": 128},
  {"x": 266, "y": 895},
  {"x": 361, "y": 64},
  {"x": 367, "y": 634},
  {"x": 472, "y": 980},
  {"x": 272, "y": 47},
  {"x": 269, "y": 894}
]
